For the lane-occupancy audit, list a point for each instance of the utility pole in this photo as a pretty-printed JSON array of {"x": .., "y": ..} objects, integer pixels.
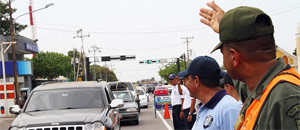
[
  {"x": 187, "y": 47},
  {"x": 106, "y": 71},
  {"x": 82, "y": 51},
  {"x": 74, "y": 62},
  {"x": 95, "y": 49},
  {"x": 14, "y": 54}
]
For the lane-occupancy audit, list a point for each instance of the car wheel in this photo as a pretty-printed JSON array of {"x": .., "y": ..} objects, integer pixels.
[
  {"x": 147, "y": 106},
  {"x": 136, "y": 121}
]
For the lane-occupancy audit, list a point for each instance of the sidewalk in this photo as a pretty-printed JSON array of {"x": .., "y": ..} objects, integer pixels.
[{"x": 5, "y": 123}]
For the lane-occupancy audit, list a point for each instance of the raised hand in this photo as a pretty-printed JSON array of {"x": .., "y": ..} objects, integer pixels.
[{"x": 213, "y": 17}]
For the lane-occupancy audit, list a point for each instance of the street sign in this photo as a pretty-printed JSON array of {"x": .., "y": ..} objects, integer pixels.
[{"x": 153, "y": 61}]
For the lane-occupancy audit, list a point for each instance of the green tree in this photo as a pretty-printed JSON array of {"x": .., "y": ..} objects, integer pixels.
[
  {"x": 295, "y": 52},
  {"x": 101, "y": 73},
  {"x": 51, "y": 65},
  {"x": 153, "y": 78},
  {"x": 5, "y": 20},
  {"x": 171, "y": 67}
]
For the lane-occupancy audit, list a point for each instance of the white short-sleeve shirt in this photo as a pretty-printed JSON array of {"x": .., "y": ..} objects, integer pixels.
[{"x": 175, "y": 96}]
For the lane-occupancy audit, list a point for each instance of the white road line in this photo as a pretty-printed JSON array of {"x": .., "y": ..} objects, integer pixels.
[{"x": 164, "y": 121}]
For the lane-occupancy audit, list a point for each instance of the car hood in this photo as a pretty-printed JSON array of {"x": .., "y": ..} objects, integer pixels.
[{"x": 63, "y": 117}]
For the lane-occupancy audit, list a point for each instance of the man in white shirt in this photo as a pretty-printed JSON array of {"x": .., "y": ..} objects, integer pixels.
[
  {"x": 176, "y": 104},
  {"x": 187, "y": 113}
]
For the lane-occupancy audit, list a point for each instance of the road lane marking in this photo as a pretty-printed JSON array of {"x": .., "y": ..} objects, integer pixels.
[{"x": 164, "y": 121}]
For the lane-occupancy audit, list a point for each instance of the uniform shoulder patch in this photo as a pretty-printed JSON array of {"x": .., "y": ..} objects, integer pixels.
[
  {"x": 208, "y": 120},
  {"x": 293, "y": 110}
]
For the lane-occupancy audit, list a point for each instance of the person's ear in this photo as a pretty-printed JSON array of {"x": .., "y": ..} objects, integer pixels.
[
  {"x": 197, "y": 81},
  {"x": 235, "y": 57}
]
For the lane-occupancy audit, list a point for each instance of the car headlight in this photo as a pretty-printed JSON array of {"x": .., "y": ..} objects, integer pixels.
[
  {"x": 95, "y": 126},
  {"x": 17, "y": 128},
  {"x": 131, "y": 109}
]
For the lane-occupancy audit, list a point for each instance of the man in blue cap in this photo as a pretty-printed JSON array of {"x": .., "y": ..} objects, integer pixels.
[
  {"x": 187, "y": 113},
  {"x": 218, "y": 110},
  {"x": 176, "y": 104}
]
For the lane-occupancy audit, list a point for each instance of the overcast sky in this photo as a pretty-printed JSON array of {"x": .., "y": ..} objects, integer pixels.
[{"x": 149, "y": 29}]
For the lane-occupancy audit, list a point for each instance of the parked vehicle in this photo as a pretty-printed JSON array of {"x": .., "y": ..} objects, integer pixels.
[
  {"x": 143, "y": 97},
  {"x": 69, "y": 105},
  {"x": 161, "y": 90},
  {"x": 169, "y": 87},
  {"x": 124, "y": 86},
  {"x": 144, "y": 88},
  {"x": 119, "y": 86},
  {"x": 129, "y": 112},
  {"x": 150, "y": 88}
]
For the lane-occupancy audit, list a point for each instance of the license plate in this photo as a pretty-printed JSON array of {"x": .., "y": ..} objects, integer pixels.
[{"x": 161, "y": 91}]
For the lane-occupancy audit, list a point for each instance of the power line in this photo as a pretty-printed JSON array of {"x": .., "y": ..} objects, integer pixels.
[
  {"x": 57, "y": 18},
  {"x": 142, "y": 49},
  {"x": 64, "y": 16},
  {"x": 285, "y": 11},
  {"x": 150, "y": 32}
]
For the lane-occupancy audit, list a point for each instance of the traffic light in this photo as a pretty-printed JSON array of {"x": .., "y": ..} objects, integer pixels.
[{"x": 149, "y": 61}]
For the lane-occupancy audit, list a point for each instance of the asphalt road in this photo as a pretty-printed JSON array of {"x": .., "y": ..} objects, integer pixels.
[{"x": 147, "y": 120}]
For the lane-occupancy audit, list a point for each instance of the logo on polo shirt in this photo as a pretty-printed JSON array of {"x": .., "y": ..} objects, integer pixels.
[{"x": 209, "y": 119}]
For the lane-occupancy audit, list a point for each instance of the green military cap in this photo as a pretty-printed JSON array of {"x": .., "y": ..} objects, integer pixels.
[{"x": 238, "y": 24}]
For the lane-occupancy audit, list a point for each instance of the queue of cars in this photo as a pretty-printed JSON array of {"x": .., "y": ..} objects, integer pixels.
[{"x": 87, "y": 105}]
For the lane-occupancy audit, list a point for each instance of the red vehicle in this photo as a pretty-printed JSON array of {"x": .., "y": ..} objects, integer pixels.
[{"x": 161, "y": 90}]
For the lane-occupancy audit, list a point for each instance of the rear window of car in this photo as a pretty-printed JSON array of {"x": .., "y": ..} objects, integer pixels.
[
  {"x": 161, "y": 88},
  {"x": 120, "y": 86},
  {"x": 126, "y": 96}
]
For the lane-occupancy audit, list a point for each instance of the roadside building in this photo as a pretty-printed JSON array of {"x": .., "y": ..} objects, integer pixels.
[{"x": 24, "y": 68}]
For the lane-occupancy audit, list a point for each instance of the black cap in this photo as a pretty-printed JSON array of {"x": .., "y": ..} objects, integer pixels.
[
  {"x": 228, "y": 79},
  {"x": 172, "y": 76},
  {"x": 204, "y": 67}
]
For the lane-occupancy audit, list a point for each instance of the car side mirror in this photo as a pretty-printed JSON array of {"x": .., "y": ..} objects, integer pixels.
[
  {"x": 116, "y": 103},
  {"x": 15, "y": 109}
]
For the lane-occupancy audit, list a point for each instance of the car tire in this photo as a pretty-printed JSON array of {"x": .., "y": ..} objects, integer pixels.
[
  {"x": 136, "y": 121},
  {"x": 146, "y": 106}
]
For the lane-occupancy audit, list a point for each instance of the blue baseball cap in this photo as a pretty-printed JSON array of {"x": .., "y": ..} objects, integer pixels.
[
  {"x": 172, "y": 76},
  {"x": 204, "y": 67},
  {"x": 222, "y": 74}
]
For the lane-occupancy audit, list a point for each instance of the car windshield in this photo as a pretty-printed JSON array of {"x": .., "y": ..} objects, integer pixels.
[
  {"x": 65, "y": 99},
  {"x": 121, "y": 86},
  {"x": 126, "y": 96}
]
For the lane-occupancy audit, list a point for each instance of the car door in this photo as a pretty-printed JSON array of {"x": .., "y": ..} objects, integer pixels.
[{"x": 113, "y": 114}]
